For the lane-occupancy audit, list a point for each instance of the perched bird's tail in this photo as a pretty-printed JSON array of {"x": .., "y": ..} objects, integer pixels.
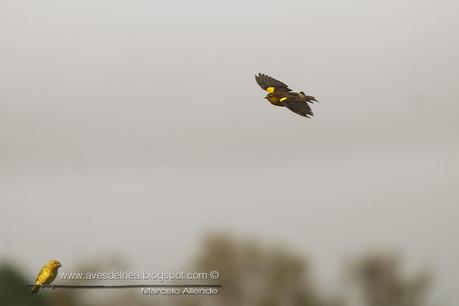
[{"x": 35, "y": 288}]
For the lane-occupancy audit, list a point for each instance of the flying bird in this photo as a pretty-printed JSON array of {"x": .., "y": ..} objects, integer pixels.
[
  {"x": 46, "y": 275},
  {"x": 280, "y": 95}
]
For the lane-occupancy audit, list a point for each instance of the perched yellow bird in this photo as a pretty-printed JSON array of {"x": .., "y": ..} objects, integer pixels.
[{"x": 46, "y": 275}]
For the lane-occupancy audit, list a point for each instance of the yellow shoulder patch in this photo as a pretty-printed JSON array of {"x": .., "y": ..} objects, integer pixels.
[
  {"x": 283, "y": 99},
  {"x": 270, "y": 89}
]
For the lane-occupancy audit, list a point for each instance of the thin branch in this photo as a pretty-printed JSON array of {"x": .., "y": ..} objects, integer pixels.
[{"x": 126, "y": 286}]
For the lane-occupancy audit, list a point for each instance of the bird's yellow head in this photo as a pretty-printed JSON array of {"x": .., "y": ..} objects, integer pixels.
[{"x": 53, "y": 263}]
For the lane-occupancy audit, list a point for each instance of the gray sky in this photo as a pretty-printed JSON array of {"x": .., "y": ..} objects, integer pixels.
[{"x": 134, "y": 126}]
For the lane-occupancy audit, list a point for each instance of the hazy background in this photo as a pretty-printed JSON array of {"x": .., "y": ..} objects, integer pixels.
[{"x": 133, "y": 127}]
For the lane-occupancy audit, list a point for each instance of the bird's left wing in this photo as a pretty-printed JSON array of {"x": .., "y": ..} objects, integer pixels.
[{"x": 269, "y": 84}]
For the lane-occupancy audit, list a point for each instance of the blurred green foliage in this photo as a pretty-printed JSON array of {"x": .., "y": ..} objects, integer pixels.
[
  {"x": 251, "y": 274},
  {"x": 256, "y": 275},
  {"x": 382, "y": 282},
  {"x": 14, "y": 292}
]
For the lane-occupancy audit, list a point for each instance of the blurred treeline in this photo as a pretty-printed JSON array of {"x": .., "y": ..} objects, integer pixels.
[{"x": 251, "y": 274}]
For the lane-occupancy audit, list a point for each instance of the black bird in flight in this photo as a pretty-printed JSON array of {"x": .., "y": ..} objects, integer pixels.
[{"x": 280, "y": 95}]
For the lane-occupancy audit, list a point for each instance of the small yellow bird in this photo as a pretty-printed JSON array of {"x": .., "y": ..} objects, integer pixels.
[{"x": 46, "y": 275}]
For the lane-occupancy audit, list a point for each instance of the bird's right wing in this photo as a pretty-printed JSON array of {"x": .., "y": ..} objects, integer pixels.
[
  {"x": 269, "y": 84},
  {"x": 299, "y": 106}
]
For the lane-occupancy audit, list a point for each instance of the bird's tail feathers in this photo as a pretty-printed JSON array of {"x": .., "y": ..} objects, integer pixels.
[
  {"x": 35, "y": 288},
  {"x": 309, "y": 98}
]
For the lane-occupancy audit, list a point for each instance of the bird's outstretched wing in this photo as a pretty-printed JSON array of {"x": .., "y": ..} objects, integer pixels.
[
  {"x": 269, "y": 84},
  {"x": 299, "y": 106}
]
